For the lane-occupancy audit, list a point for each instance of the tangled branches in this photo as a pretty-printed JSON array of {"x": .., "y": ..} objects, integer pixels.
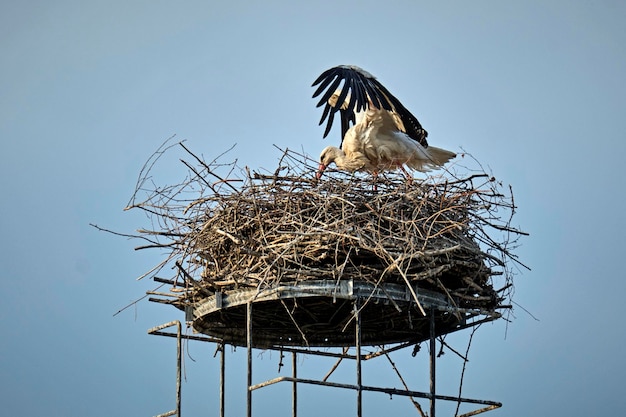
[{"x": 227, "y": 229}]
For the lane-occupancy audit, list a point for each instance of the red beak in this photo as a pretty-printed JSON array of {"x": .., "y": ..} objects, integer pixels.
[{"x": 320, "y": 171}]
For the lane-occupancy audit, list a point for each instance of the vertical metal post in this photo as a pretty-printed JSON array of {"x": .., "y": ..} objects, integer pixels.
[
  {"x": 249, "y": 345},
  {"x": 179, "y": 348},
  {"x": 359, "y": 392},
  {"x": 294, "y": 387},
  {"x": 432, "y": 362},
  {"x": 222, "y": 378}
]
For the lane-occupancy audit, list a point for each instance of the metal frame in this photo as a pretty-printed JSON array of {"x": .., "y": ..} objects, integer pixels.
[
  {"x": 359, "y": 387},
  {"x": 359, "y": 294}
]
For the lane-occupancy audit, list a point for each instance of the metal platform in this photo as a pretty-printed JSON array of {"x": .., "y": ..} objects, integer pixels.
[{"x": 320, "y": 313}]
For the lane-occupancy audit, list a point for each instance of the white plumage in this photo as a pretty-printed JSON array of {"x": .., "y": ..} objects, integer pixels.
[{"x": 378, "y": 133}]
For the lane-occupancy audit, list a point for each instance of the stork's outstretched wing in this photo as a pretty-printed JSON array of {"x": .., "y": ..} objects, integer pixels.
[{"x": 362, "y": 90}]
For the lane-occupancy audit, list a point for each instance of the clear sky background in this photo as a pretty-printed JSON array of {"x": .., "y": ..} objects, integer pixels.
[{"x": 534, "y": 90}]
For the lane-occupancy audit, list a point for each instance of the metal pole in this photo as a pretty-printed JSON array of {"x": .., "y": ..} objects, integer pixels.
[
  {"x": 249, "y": 345},
  {"x": 222, "y": 378},
  {"x": 179, "y": 348},
  {"x": 294, "y": 387},
  {"x": 359, "y": 392},
  {"x": 432, "y": 362}
]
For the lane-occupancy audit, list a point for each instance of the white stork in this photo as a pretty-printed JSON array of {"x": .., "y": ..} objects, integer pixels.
[{"x": 377, "y": 132}]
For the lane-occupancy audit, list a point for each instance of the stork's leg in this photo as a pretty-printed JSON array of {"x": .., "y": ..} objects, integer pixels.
[
  {"x": 375, "y": 175},
  {"x": 409, "y": 177}
]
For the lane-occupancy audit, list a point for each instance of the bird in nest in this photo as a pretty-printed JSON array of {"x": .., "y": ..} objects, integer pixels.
[{"x": 377, "y": 132}]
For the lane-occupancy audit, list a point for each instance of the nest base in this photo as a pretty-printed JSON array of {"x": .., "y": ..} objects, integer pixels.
[{"x": 321, "y": 313}]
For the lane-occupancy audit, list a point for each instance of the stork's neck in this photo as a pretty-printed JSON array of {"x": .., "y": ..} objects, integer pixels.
[{"x": 352, "y": 162}]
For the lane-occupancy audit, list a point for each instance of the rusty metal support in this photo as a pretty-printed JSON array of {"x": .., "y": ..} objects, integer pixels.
[
  {"x": 249, "y": 346},
  {"x": 294, "y": 386},
  {"x": 309, "y": 351},
  {"x": 389, "y": 391},
  {"x": 222, "y": 378},
  {"x": 481, "y": 410},
  {"x": 169, "y": 413},
  {"x": 359, "y": 391},
  {"x": 433, "y": 357}
]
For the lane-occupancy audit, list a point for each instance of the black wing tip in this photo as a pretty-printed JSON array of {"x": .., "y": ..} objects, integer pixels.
[
  {"x": 322, "y": 76},
  {"x": 362, "y": 87}
]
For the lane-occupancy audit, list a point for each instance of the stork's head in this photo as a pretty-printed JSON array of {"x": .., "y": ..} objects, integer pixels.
[{"x": 327, "y": 157}]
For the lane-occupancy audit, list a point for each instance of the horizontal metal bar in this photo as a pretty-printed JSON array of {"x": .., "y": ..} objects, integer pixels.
[
  {"x": 168, "y": 281},
  {"x": 481, "y": 410},
  {"x": 407, "y": 393},
  {"x": 390, "y": 391},
  {"x": 169, "y": 413},
  {"x": 383, "y": 351},
  {"x": 185, "y": 336},
  {"x": 304, "y": 381},
  {"x": 371, "y": 355},
  {"x": 163, "y": 294},
  {"x": 475, "y": 323},
  {"x": 311, "y": 352},
  {"x": 162, "y": 301},
  {"x": 163, "y": 326}
]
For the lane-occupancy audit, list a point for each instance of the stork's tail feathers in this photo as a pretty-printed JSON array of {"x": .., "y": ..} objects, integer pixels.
[
  {"x": 426, "y": 159},
  {"x": 439, "y": 156}
]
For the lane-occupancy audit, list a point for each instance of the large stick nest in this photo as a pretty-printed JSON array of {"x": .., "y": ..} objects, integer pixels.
[{"x": 227, "y": 228}]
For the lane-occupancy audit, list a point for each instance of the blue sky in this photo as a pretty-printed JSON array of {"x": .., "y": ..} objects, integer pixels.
[{"x": 88, "y": 90}]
